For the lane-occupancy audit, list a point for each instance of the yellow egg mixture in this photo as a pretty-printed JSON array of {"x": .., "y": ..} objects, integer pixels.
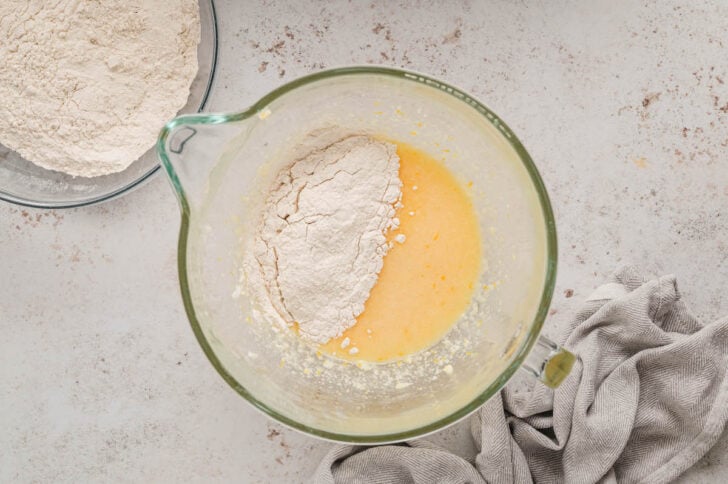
[{"x": 427, "y": 281}]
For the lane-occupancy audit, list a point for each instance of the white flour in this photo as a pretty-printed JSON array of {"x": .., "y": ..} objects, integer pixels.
[
  {"x": 86, "y": 86},
  {"x": 322, "y": 237}
]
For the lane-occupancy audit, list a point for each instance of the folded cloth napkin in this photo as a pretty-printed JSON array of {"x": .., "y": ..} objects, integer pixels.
[{"x": 647, "y": 398}]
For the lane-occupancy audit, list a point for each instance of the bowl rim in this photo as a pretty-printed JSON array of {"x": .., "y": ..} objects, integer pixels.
[
  {"x": 534, "y": 328},
  {"x": 137, "y": 182}
]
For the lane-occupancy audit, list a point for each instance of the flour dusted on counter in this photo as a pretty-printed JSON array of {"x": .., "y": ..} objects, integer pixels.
[
  {"x": 322, "y": 237},
  {"x": 86, "y": 86}
]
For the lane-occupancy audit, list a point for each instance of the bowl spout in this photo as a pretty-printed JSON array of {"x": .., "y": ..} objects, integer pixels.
[{"x": 190, "y": 148}]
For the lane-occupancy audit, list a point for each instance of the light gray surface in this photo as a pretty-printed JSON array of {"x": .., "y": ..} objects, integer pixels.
[{"x": 623, "y": 105}]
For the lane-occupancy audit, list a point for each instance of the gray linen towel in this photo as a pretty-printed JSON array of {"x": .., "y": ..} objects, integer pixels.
[{"x": 646, "y": 399}]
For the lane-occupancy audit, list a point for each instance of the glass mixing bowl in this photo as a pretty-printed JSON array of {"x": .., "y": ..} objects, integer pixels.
[
  {"x": 25, "y": 183},
  {"x": 221, "y": 165}
]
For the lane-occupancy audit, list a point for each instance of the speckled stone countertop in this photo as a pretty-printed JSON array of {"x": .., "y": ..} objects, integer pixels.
[{"x": 623, "y": 105}]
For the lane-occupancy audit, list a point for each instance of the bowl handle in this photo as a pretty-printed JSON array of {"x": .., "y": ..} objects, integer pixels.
[{"x": 549, "y": 362}]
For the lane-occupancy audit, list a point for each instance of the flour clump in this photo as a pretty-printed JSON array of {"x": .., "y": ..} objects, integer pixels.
[
  {"x": 322, "y": 239},
  {"x": 86, "y": 86}
]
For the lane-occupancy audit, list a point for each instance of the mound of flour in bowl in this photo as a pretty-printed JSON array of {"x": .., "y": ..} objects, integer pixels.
[
  {"x": 321, "y": 241},
  {"x": 86, "y": 86}
]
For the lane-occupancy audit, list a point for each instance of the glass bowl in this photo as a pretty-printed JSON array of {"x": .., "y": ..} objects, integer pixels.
[
  {"x": 221, "y": 166},
  {"x": 25, "y": 183}
]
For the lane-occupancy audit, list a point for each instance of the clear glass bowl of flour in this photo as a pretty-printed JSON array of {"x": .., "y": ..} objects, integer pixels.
[
  {"x": 25, "y": 183},
  {"x": 221, "y": 166}
]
